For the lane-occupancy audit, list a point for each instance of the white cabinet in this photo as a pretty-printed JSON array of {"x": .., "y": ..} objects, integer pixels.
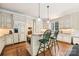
[
  {"x": 64, "y": 38},
  {"x": 22, "y": 37},
  {"x": 9, "y": 39},
  {"x": 12, "y": 38},
  {"x": 65, "y": 21},
  {"x": 21, "y": 30},
  {"x": 20, "y": 23},
  {"x": 3, "y": 18},
  {"x": 6, "y": 20},
  {"x": 15, "y": 38},
  {"x": 2, "y": 44},
  {"x": 9, "y": 21},
  {"x": 76, "y": 40}
]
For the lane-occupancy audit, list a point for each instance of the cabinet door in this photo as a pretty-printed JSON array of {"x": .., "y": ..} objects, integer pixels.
[
  {"x": 9, "y": 39},
  {"x": 6, "y": 20},
  {"x": 19, "y": 23},
  {"x": 16, "y": 39},
  {"x": 21, "y": 29},
  {"x": 3, "y": 17},
  {"x": 9, "y": 21},
  {"x": 22, "y": 37}
]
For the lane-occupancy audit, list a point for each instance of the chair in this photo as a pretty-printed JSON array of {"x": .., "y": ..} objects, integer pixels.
[
  {"x": 44, "y": 41},
  {"x": 54, "y": 41}
]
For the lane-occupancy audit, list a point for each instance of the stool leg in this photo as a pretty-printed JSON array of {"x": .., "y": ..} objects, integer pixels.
[
  {"x": 57, "y": 44},
  {"x": 54, "y": 47},
  {"x": 52, "y": 44},
  {"x": 44, "y": 49},
  {"x": 38, "y": 49},
  {"x": 49, "y": 49}
]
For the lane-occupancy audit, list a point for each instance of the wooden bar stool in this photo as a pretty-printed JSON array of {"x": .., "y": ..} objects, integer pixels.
[
  {"x": 54, "y": 40},
  {"x": 44, "y": 42}
]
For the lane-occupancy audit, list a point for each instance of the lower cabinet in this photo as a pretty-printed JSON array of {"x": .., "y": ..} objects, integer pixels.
[
  {"x": 19, "y": 38},
  {"x": 64, "y": 38},
  {"x": 15, "y": 38},
  {"x": 22, "y": 37},
  {"x": 2, "y": 44},
  {"x": 9, "y": 39}
]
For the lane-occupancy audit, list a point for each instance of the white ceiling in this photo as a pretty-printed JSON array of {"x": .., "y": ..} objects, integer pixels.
[{"x": 56, "y": 9}]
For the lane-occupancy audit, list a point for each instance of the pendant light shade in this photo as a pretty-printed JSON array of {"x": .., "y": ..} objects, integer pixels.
[
  {"x": 48, "y": 21},
  {"x": 48, "y": 14},
  {"x": 39, "y": 19}
]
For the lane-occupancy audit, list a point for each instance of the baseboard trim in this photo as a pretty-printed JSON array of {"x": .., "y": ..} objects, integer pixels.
[{"x": 10, "y": 45}]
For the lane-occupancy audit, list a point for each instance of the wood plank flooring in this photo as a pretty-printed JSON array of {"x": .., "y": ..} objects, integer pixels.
[
  {"x": 63, "y": 49},
  {"x": 16, "y": 50},
  {"x": 20, "y": 50}
]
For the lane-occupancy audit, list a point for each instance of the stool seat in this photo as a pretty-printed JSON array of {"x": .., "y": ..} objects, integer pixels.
[
  {"x": 43, "y": 41},
  {"x": 53, "y": 38}
]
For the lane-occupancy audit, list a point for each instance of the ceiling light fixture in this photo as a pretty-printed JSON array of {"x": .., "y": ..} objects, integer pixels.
[
  {"x": 39, "y": 19},
  {"x": 48, "y": 14}
]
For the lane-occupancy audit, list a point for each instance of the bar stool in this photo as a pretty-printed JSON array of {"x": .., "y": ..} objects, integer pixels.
[
  {"x": 54, "y": 40},
  {"x": 44, "y": 41}
]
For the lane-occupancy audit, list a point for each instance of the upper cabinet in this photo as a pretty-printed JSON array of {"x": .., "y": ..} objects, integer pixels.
[
  {"x": 6, "y": 20},
  {"x": 18, "y": 19},
  {"x": 65, "y": 22}
]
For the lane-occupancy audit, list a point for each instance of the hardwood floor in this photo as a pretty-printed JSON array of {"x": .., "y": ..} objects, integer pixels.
[
  {"x": 20, "y": 50},
  {"x": 63, "y": 49},
  {"x": 16, "y": 50}
]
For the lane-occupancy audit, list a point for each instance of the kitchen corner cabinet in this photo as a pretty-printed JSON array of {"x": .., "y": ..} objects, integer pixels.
[{"x": 6, "y": 20}]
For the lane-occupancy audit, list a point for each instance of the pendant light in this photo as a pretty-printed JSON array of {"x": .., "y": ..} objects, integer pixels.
[
  {"x": 39, "y": 19},
  {"x": 48, "y": 13}
]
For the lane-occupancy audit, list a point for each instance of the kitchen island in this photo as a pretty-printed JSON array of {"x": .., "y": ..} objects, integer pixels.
[{"x": 34, "y": 43}]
